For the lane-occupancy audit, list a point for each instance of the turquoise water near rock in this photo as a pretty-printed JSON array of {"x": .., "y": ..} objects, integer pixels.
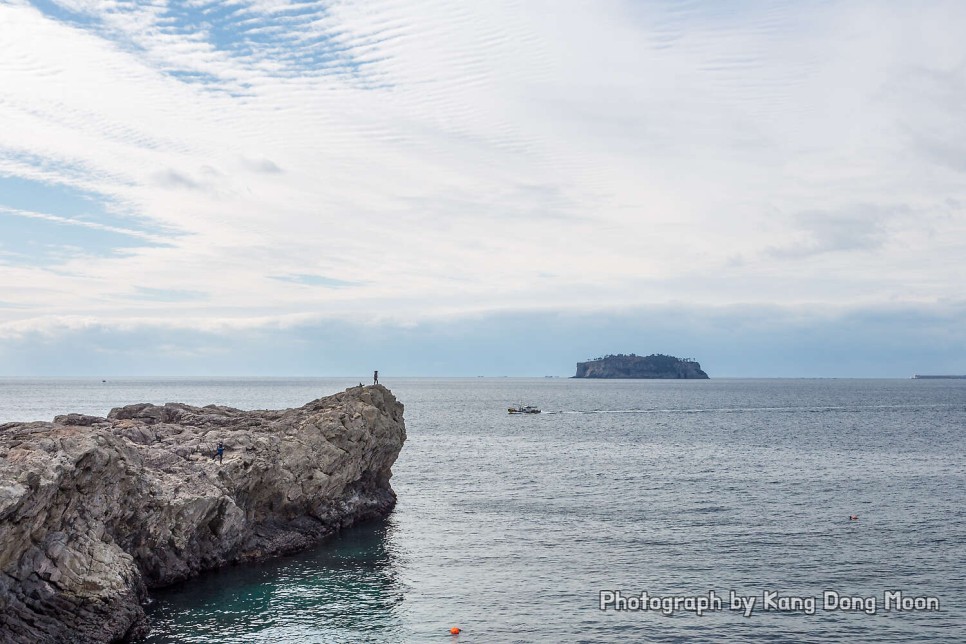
[{"x": 510, "y": 526}]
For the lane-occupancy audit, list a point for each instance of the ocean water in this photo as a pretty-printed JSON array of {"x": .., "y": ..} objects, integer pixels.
[{"x": 511, "y": 526}]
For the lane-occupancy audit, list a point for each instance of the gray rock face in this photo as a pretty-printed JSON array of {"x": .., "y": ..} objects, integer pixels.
[
  {"x": 632, "y": 366},
  {"x": 96, "y": 511}
]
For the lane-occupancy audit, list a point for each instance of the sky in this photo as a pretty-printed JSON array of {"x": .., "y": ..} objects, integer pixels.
[{"x": 429, "y": 188}]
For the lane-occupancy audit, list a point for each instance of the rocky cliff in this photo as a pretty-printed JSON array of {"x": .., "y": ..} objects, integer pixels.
[
  {"x": 632, "y": 366},
  {"x": 96, "y": 511}
]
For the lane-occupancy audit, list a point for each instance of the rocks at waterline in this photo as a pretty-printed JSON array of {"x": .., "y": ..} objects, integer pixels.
[{"x": 94, "y": 512}]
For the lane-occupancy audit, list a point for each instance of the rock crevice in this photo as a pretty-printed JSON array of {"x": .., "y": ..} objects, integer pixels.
[{"x": 94, "y": 511}]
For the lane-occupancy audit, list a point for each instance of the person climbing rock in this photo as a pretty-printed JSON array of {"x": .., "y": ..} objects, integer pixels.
[{"x": 220, "y": 452}]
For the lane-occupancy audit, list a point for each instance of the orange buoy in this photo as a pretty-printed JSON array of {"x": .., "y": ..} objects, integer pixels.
[
  {"x": 853, "y": 517},
  {"x": 455, "y": 630}
]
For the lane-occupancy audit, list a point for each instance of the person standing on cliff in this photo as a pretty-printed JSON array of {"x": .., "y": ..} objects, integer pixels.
[
  {"x": 375, "y": 377},
  {"x": 220, "y": 452}
]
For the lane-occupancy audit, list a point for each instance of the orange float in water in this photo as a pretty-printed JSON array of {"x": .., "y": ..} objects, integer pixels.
[{"x": 455, "y": 630}]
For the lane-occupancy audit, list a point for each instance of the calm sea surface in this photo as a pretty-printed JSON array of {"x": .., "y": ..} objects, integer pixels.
[{"x": 510, "y": 526}]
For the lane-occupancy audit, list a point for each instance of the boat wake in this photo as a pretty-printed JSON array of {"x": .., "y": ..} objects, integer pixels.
[{"x": 747, "y": 410}]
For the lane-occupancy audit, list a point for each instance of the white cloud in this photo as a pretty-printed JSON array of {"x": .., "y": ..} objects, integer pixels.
[{"x": 441, "y": 158}]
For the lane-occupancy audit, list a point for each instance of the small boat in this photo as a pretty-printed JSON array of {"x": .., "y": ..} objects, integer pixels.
[{"x": 523, "y": 409}]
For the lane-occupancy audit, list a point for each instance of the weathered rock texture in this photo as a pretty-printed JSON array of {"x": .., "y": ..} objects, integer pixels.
[
  {"x": 632, "y": 366},
  {"x": 96, "y": 511}
]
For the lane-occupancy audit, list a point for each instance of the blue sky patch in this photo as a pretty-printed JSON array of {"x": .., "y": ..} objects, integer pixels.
[
  {"x": 315, "y": 280},
  {"x": 59, "y": 12},
  {"x": 284, "y": 35},
  {"x": 54, "y": 199},
  {"x": 61, "y": 200},
  {"x": 42, "y": 242},
  {"x": 287, "y": 34}
]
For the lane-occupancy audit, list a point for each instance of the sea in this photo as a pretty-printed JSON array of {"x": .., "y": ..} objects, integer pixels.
[{"x": 619, "y": 514}]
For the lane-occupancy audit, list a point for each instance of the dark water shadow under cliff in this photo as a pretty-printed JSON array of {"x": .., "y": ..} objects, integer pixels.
[{"x": 348, "y": 586}]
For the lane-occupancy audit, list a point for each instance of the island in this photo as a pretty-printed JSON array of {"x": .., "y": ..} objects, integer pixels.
[
  {"x": 95, "y": 512},
  {"x": 633, "y": 366}
]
